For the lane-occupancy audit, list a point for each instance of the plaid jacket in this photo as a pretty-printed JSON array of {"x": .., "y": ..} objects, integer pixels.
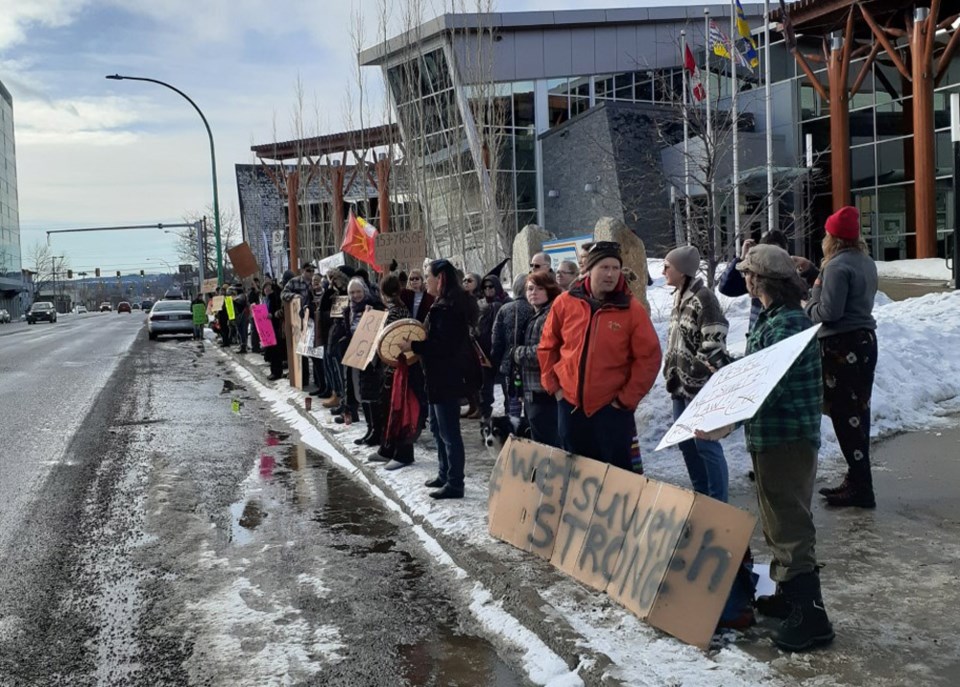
[
  {"x": 792, "y": 410},
  {"x": 526, "y": 355}
]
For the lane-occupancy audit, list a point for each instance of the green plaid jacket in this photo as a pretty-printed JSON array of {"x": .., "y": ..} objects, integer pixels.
[{"x": 792, "y": 410}]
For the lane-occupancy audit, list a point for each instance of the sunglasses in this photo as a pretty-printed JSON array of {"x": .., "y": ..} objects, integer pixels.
[
  {"x": 468, "y": 281},
  {"x": 535, "y": 266},
  {"x": 489, "y": 286},
  {"x": 414, "y": 279}
]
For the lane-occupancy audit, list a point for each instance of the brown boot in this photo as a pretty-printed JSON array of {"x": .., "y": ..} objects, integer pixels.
[
  {"x": 844, "y": 485},
  {"x": 332, "y": 402}
]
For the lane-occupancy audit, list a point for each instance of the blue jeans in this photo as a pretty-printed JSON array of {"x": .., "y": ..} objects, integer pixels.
[
  {"x": 607, "y": 435},
  {"x": 706, "y": 464},
  {"x": 445, "y": 426},
  {"x": 542, "y": 416}
]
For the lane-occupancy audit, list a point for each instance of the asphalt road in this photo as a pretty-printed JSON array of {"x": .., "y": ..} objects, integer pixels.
[
  {"x": 50, "y": 375},
  {"x": 178, "y": 534}
]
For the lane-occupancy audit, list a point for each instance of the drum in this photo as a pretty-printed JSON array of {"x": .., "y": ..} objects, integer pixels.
[{"x": 388, "y": 344}]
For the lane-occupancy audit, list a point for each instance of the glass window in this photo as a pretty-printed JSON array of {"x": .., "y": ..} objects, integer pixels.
[
  {"x": 644, "y": 90},
  {"x": 525, "y": 147},
  {"x": 624, "y": 86},
  {"x": 558, "y": 102},
  {"x": 863, "y": 169},
  {"x": 526, "y": 190},
  {"x": 890, "y": 157},
  {"x": 861, "y": 127},
  {"x": 603, "y": 87},
  {"x": 523, "y": 104}
]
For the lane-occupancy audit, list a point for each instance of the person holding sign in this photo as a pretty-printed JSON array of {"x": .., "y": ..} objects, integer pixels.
[
  {"x": 599, "y": 356},
  {"x": 445, "y": 356},
  {"x": 783, "y": 439},
  {"x": 362, "y": 386},
  {"x": 698, "y": 335},
  {"x": 842, "y": 299}
]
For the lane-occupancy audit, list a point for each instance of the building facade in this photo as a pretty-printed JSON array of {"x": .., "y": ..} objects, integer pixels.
[{"x": 11, "y": 275}]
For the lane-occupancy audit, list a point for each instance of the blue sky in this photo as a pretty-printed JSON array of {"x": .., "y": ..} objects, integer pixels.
[{"x": 92, "y": 152}]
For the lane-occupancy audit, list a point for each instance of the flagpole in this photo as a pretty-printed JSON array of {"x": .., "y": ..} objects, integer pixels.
[
  {"x": 686, "y": 137},
  {"x": 734, "y": 117},
  {"x": 768, "y": 98},
  {"x": 709, "y": 146}
]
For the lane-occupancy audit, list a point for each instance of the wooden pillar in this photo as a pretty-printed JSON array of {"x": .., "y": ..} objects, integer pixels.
[
  {"x": 924, "y": 143},
  {"x": 839, "y": 125},
  {"x": 293, "y": 219},
  {"x": 337, "y": 172},
  {"x": 383, "y": 193}
]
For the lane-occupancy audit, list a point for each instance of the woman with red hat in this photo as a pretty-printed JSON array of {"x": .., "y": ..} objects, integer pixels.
[{"x": 842, "y": 301}]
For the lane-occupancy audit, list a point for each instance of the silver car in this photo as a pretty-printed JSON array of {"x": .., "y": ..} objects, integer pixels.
[{"x": 170, "y": 317}]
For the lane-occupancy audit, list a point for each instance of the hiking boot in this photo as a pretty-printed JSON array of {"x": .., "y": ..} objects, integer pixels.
[
  {"x": 773, "y": 606},
  {"x": 830, "y": 491},
  {"x": 853, "y": 496},
  {"x": 446, "y": 492},
  {"x": 332, "y": 402},
  {"x": 434, "y": 483},
  {"x": 806, "y": 627}
]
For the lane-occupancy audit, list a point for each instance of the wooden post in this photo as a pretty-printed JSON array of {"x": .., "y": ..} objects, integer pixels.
[
  {"x": 924, "y": 145},
  {"x": 837, "y": 70},
  {"x": 293, "y": 219}
]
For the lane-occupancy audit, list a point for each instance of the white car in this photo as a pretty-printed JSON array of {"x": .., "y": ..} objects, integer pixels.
[{"x": 79, "y": 309}]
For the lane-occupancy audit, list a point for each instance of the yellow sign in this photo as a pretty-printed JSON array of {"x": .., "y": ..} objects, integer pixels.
[{"x": 231, "y": 313}]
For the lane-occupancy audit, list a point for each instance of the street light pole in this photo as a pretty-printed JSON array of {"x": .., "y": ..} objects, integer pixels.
[
  {"x": 955, "y": 137},
  {"x": 213, "y": 161}
]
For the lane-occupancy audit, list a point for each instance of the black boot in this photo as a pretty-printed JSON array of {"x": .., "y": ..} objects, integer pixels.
[
  {"x": 807, "y": 626},
  {"x": 371, "y": 428},
  {"x": 378, "y": 421},
  {"x": 830, "y": 491},
  {"x": 859, "y": 490},
  {"x": 774, "y": 605}
]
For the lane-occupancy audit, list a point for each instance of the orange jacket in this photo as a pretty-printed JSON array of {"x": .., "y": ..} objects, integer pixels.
[{"x": 598, "y": 352}]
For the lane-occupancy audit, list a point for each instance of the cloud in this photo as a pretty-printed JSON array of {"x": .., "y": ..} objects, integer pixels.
[
  {"x": 14, "y": 21},
  {"x": 91, "y": 120}
]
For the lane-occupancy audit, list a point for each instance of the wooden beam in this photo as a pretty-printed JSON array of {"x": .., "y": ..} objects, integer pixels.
[
  {"x": 847, "y": 49},
  {"x": 816, "y": 58},
  {"x": 946, "y": 56},
  {"x": 882, "y": 37},
  {"x": 814, "y": 81},
  {"x": 924, "y": 145},
  {"x": 948, "y": 22},
  {"x": 931, "y": 29},
  {"x": 865, "y": 69}
]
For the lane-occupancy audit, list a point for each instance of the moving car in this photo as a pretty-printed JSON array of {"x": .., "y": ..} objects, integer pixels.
[
  {"x": 146, "y": 304},
  {"x": 123, "y": 306},
  {"x": 170, "y": 317},
  {"x": 42, "y": 310},
  {"x": 4, "y": 316},
  {"x": 106, "y": 307},
  {"x": 174, "y": 294},
  {"x": 79, "y": 309}
]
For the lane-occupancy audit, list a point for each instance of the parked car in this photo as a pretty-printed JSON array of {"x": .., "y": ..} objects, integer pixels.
[
  {"x": 42, "y": 310},
  {"x": 106, "y": 307},
  {"x": 79, "y": 309},
  {"x": 123, "y": 306},
  {"x": 4, "y": 316},
  {"x": 174, "y": 294},
  {"x": 170, "y": 317},
  {"x": 136, "y": 306},
  {"x": 146, "y": 304}
]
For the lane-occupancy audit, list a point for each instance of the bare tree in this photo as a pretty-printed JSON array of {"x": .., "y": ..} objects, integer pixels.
[
  {"x": 187, "y": 248},
  {"x": 48, "y": 270}
]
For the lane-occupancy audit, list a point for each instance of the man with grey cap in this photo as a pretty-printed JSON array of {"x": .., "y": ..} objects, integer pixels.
[
  {"x": 696, "y": 344},
  {"x": 783, "y": 439},
  {"x": 599, "y": 356}
]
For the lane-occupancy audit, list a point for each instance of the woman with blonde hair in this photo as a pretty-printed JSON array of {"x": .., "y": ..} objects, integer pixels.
[{"x": 842, "y": 301}]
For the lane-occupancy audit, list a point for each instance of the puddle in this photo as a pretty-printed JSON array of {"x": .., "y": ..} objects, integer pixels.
[
  {"x": 391, "y": 606},
  {"x": 229, "y": 386}
]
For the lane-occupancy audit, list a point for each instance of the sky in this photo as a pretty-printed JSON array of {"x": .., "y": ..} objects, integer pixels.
[{"x": 98, "y": 153}]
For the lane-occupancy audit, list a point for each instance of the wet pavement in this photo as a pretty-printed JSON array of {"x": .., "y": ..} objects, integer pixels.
[{"x": 187, "y": 538}]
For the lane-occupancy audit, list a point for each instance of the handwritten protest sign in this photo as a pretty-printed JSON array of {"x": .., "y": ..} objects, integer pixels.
[
  {"x": 361, "y": 350},
  {"x": 339, "y": 303},
  {"x": 305, "y": 345},
  {"x": 243, "y": 261},
  {"x": 406, "y": 247},
  {"x": 737, "y": 391},
  {"x": 668, "y": 555},
  {"x": 261, "y": 320},
  {"x": 231, "y": 312},
  {"x": 216, "y": 304},
  {"x": 209, "y": 285}
]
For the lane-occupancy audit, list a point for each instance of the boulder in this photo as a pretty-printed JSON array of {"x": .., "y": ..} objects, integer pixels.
[
  {"x": 633, "y": 251},
  {"x": 529, "y": 242}
]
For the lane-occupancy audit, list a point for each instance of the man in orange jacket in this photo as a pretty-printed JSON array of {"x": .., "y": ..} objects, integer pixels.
[{"x": 599, "y": 355}]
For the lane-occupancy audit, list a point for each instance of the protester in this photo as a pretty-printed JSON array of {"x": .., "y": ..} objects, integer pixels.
[
  {"x": 493, "y": 299},
  {"x": 842, "y": 300},
  {"x": 471, "y": 285},
  {"x": 241, "y": 310},
  {"x": 334, "y": 333},
  {"x": 300, "y": 286},
  {"x": 397, "y": 452},
  {"x": 599, "y": 356},
  {"x": 567, "y": 273},
  {"x": 445, "y": 356},
  {"x": 415, "y": 296},
  {"x": 783, "y": 439},
  {"x": 253, "y": 298},
  {"x": 582, "y": 256},
  {"x": 696, "y": 344},
  {"x": 277, "y": 352},
  {"x": 362, "y": 386},
  {"x": 508, "y": 328},
  {"x": 312, "y": 310},
  {"x": 541, "y": 262},
  {"x": 199, "y": 310},
  {"x": 540, "y": 406}
]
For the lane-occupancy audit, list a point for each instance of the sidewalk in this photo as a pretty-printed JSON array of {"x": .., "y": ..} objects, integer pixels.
[{"x": 889, "y": 582}]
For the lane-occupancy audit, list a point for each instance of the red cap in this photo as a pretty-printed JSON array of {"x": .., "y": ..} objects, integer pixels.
[{"x": 844, "y": 223}]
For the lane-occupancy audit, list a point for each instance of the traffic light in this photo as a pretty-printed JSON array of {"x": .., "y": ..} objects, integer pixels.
[
  {"x": 96, "y": 271},
  {"x": 141, "y": 273},
  {"x": 118, "y": 274},
  {"x": 69, "y": 274}
]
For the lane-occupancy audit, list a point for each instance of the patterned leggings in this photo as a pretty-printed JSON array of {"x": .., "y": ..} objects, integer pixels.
[{"x": 849, "y": 361}]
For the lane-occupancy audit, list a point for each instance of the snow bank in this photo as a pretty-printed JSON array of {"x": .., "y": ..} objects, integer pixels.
[{"x": 927, "y": 268}]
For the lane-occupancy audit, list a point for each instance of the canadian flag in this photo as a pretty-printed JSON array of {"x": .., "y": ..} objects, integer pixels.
[{"x": 690, "y": 64}]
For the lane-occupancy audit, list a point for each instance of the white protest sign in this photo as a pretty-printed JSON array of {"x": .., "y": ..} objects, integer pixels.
[
  {"x": 737, "y": 391},
  {"x": 305, "y": 344}
]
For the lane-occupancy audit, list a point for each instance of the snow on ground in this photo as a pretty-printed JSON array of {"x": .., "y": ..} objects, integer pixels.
[
  {"x": 927, "y": 268},
  {"x": 917, "y": 384}
]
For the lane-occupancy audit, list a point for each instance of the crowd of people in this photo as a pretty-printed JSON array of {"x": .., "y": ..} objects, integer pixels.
[{"x": 574, "y": 353}]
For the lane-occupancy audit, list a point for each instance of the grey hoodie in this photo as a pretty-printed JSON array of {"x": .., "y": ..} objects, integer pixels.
[{"x": 842, "y": 299}]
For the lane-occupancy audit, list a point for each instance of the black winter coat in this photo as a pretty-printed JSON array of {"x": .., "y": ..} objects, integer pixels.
[
  {"x": 370, "y": 378},
  {"x": 446, "y": 353}
]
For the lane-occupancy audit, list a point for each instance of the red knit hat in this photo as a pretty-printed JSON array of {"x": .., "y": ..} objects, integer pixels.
[{"x": 844, "y": 223}]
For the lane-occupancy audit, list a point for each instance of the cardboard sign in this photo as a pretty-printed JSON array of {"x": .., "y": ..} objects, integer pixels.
[
  {"x": 330, "y": 262},
  {"x": 261, "y": 320},
  {"x": 737, "y": 391},
  {"x": 406, "y": 247},
  {"x": 293, "y": 327},
  {"x": 209, "y": 285},
  {"x": 305, "y": 345},
  {"x": 362, "y": 347},
  {"x": 231, "y": 312},
  {"x": 339, "y": 303},
  {"x": 243, "y": 261},
  {"x": 216, "y": 304},
  {"x": 668, "y": 555}
]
